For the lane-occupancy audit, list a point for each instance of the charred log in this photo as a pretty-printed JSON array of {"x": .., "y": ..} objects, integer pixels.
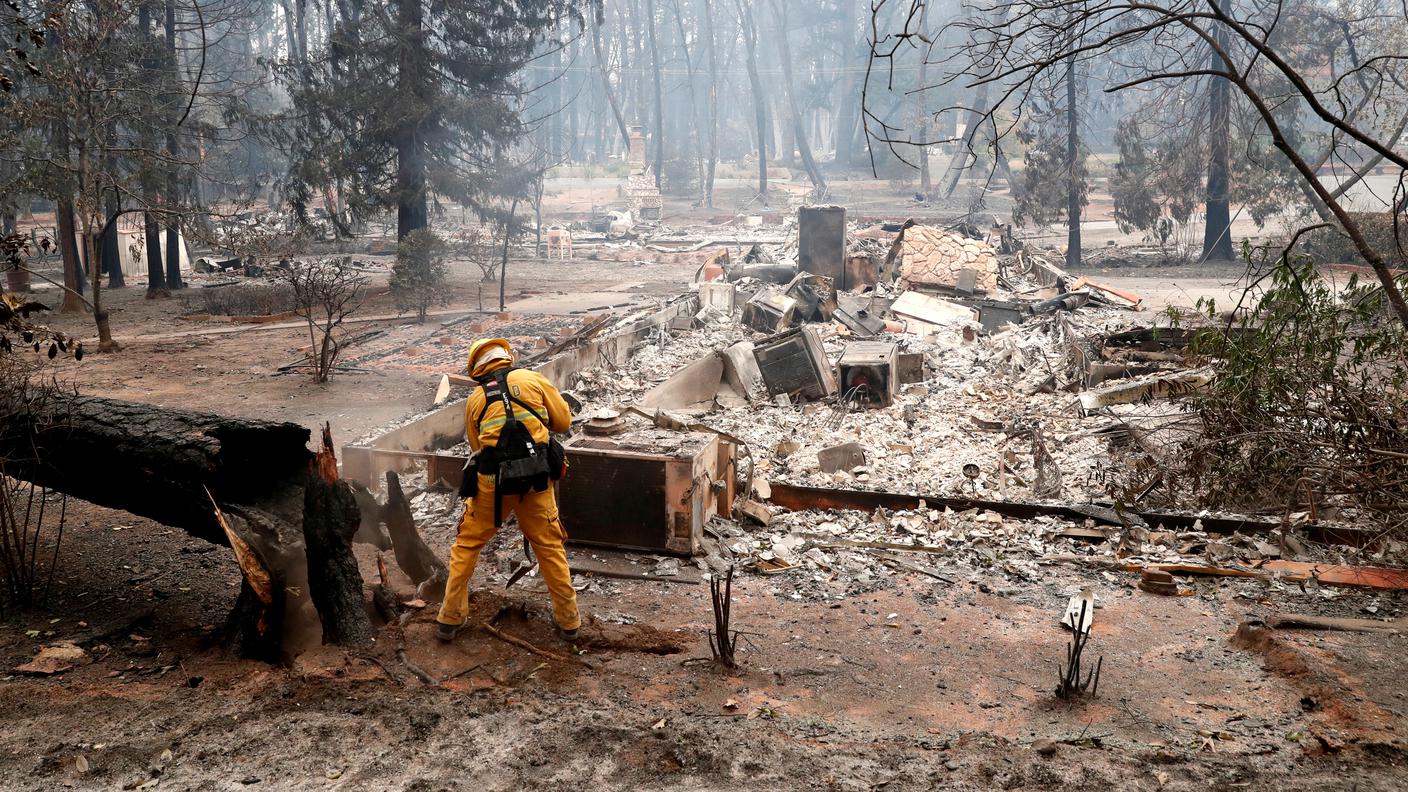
[
  {"x": 157, "y": 462},
  {"x": 252, "y": 485}
]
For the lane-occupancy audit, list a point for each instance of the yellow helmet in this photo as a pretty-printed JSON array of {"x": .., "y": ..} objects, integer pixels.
[{"x": 489, "y": 354}]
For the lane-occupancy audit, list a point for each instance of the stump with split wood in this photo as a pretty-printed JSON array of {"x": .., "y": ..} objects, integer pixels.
[{"x": 253, "y": 485}]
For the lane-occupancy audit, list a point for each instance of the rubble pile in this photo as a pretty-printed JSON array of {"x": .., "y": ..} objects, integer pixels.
[
  {"x": 986, "y": 408},
  {"x": 978, "y": 404}
]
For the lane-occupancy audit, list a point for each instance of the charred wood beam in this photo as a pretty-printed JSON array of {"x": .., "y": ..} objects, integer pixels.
[{"x": 799, "y": 498}]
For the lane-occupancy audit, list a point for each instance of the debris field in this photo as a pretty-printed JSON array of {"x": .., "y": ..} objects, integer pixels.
[{"x": 918, "y": 490}]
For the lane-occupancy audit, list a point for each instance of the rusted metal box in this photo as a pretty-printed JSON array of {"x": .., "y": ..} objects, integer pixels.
[
  {"x": 795, "y": 363},
  {"x": 869, "y": 372},
  {"x": 821, "y": 242},
  {"x": 648, "y": 490}
]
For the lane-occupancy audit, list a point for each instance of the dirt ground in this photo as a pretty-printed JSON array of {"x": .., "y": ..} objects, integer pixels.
[{"x": 906, "y": 683}]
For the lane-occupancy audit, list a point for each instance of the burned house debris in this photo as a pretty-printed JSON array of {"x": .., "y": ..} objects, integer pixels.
[{"x": 965, "y": 398}]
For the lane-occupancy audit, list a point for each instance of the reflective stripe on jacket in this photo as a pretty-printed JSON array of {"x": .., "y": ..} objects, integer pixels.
[{"x": 528, "y": 387}]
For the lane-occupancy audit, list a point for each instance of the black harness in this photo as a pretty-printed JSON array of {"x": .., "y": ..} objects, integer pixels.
[
  {"x": 517, "y": 462},
  {"x": 496, "y": 389}
]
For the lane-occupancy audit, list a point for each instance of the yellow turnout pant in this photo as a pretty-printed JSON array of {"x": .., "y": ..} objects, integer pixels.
[{"x": 538, "y": 519}]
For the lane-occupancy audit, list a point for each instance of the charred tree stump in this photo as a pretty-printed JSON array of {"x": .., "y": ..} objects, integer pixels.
[
  {"x": 254, "y": 630},
  {"x": 252, "y": 485}
]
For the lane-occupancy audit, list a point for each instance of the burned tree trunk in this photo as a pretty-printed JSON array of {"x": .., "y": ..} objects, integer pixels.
[
  {"x": 799, "y": 129},
  {"x": 658, "y": 110},
  {"x": 329, "y": 519},
  {"x": 254, "y": 628},
  {"x": 760, "y": 107},
  {"x": 1075, "y": 175},
  {"x": 68, "y": 251},
  {"x": 252, "y": 485},
  {"x": 1217, "y": 232}
]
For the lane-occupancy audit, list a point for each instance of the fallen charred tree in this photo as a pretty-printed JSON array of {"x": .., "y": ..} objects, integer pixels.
[{"x": 253, "y": 485}]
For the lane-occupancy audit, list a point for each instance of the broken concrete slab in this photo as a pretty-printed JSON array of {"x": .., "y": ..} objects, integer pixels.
[
  {"x": 442, "y": 391},
  {"x": 967, "y": 281},
  {"x": 840, "y": 457},
  {"x": 931, "y": 310},
  {"x": 691, "y": 388}
]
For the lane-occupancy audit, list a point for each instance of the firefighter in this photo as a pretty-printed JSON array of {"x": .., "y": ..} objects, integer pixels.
[{"x": 539, "y": 409}]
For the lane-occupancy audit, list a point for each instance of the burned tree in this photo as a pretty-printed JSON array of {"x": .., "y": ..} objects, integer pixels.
[
  {"x": 749, "y": 26},
  {"x": 1071, "y": 683},
  {"x": 325, "y": 293},
  {"x": 252, "y": 485},
  {"x": 723, "y": 639}
]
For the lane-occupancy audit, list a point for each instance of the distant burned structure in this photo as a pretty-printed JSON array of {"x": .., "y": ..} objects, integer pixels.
[{"x": 644, "y": 197}]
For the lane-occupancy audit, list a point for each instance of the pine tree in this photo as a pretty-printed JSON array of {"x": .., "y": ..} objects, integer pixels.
[
  {"x": 418, "y": 277},
  {"x": 415, "y": 99}
]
